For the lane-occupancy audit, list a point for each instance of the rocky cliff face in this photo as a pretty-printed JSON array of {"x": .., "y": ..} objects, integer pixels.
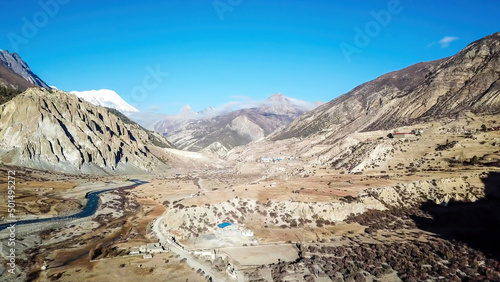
[
  {"x": 57, "y": 131},
  {"x": 221, "y": 133},
  {"x": 467, "y": 81},
  {"x": 16, "y": 64}
]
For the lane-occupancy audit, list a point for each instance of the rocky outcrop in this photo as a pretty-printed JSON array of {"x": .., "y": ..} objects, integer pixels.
[
  {"x": 57, "y": 131},
  {"x": 467, "y": 81}
]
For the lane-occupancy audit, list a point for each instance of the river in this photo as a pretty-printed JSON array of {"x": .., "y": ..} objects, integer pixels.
[{"x": 89, "y": 209}]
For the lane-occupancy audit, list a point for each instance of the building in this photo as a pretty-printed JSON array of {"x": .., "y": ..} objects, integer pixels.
[
  {"x": 228, "y": 229},
  {"x": 247, "y": 232},
  {"x": 134, "y": 251},
  {"x": 266, "y": 160},
  {"x": 151, "y": 248}
]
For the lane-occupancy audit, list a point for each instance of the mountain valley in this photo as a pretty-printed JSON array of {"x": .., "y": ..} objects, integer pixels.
[{"x": 396, "y": 180}]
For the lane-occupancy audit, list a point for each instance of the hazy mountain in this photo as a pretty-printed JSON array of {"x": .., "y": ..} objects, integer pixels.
[
  {"x": 166, "y": 124},
  {"x": 223, "y": 132},
  {"x": 105, "y": 98},
  {"x": 207, "y": 112},
  {"x": 467, "y": 81},
  {"x": 57, "y": 131},
  {"x": 17, "y": 65}
]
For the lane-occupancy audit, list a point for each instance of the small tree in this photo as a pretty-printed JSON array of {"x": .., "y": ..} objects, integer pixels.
[
  {"x": 390, "y": 135},
  {"x": 483, "y": 127},
  {"x": 474, "y": 160}
]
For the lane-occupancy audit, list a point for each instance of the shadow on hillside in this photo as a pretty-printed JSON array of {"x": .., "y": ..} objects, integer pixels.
[{"x": 477, "y": 224}]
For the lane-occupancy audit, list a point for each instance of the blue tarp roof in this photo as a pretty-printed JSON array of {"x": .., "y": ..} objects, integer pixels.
[{"x": 225, "y": 224}]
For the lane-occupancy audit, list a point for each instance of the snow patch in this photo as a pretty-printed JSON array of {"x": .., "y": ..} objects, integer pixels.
[{"x": 105, "y": 98}]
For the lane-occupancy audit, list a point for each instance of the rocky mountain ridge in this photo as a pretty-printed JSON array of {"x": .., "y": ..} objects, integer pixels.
[
  {"x": 467, "y": 81},
  {"x": 57, "y": 131},
  {"x": 14, "y": 62}
]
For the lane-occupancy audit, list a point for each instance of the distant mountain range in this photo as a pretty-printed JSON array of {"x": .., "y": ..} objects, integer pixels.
[
  {"x": 198, "y": 131},
  {"x": 53, "y": 130},
  {"x": 105, "y": 98}
]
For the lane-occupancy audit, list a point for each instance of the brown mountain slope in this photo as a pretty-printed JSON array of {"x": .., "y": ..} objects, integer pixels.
[
  {"x": 11, "y": 83},
  {"x": 14, "y": 62},
  {"x": 467, "y": 81},
  {"x": 11, "y": 79}
]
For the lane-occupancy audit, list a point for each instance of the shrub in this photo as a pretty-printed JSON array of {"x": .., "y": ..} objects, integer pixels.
[{"x": 474, "y": 160}]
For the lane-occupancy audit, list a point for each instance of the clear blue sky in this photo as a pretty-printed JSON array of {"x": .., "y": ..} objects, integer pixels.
[{"x": 255, "y": 49}]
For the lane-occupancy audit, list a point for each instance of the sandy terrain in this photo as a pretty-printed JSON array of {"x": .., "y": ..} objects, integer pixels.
[
  {"x": 162, "y": 267},
  {"x": 259, "y": 255}
]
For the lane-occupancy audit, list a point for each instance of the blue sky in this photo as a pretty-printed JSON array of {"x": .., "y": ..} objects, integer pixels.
[{"x": 218, "y": 51}]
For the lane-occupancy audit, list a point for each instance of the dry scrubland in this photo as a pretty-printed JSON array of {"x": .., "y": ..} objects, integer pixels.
[{"x": 356, "y": 209}]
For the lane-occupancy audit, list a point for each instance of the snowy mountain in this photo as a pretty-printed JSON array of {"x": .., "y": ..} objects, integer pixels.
[
  {"x": 187, "y": 112},
  {"x": 105, "y": 98},
  {"x": 281, "y": 104}
]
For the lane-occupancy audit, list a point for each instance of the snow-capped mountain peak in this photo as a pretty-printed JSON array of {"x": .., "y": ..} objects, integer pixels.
[
  {"x": 207, "y": 112},
  {"x": 187, "y": 112},
  {"x": 105, "y": 98},
  {"x": 278, "y": 97}
]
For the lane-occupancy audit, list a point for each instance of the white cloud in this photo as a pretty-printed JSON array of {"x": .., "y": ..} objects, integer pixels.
[
  {"x": 445, "y": 41},
  {"x": 146, "y": 119},
  {"x": 431, "y": 44}
]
